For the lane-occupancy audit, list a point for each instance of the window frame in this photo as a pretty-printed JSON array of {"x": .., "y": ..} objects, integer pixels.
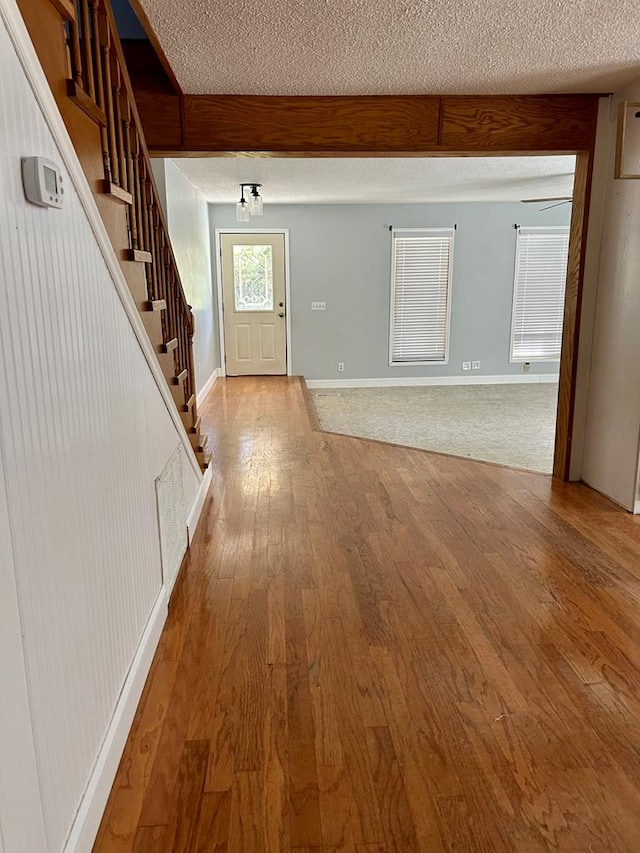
[
  {"x": 550, "y": 229},
  {"x": 443, "y": 230}
]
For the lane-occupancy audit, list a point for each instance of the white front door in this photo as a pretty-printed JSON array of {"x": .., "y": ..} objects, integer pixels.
[{"x": 253, "y": 303}]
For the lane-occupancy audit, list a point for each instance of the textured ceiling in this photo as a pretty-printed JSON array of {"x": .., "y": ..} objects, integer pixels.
[
  {"x": 347, "y": 180},
  {"x": 343, "y": 47}
]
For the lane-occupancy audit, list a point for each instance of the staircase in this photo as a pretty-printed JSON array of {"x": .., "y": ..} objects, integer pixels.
[{"x": 88, "y": 77}]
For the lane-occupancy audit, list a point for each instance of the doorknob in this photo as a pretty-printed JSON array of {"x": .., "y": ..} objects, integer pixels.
[{"x": 281, "y": 314}]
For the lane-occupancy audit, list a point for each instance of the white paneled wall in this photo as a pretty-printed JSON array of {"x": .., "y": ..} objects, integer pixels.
[
  {"x": 21, "y": 818},
  {"x": 612, "y": 420},
  {"x": 84, "y": 432}
]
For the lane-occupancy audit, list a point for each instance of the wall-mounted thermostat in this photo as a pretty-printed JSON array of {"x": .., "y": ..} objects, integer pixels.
[{"x": 43, "y": 182}]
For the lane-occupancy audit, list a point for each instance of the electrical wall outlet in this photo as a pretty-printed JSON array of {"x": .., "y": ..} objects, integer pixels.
[
  {"x": 475, "y": 365},
  {"x": 318, "y": 306},
  {"x": 526, "y": 366},
  {"x": 466, "y": 365},
  {"x": 340, "y": 366}
]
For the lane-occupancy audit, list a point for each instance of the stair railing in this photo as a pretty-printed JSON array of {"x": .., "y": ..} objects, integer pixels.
[{"x": 100, "y": 85}]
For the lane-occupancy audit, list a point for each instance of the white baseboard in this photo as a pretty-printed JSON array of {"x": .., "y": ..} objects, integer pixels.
[
  {"x": 632, "y": 505},
  {"x": 208, "y": 385},
  {"x": 198, "y": 503},
  {"x": 410, "y": 381},
  {"x": 87, "y": 820}
]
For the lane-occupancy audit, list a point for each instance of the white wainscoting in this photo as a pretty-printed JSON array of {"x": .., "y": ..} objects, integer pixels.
[
  {"x": 86, "y": 425},
  {"x": 21, "y": 816},
  {"x": 198, "y": 503},
  {"x": 416, "y": 381},
  {"x": 87, "y": 820}
]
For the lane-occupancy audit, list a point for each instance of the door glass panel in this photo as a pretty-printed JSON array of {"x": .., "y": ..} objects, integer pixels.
[{"x": 253, "y": 278}]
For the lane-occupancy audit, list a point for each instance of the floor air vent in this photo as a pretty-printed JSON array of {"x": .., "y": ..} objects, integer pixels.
[{"x": 172, "y": 517}]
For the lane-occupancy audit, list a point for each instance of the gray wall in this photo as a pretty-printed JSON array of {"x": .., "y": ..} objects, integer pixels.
[
  {"x": 187, "y": 218},
  {"x": 342, "y": 254}
]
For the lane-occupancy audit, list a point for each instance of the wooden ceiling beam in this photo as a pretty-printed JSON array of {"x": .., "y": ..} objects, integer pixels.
[{"x": 385, "y": 125}]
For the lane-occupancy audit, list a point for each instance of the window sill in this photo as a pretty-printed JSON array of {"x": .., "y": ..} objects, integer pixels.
[
  {"x": 534, "y": 360},
  {"x": 418, "y": 363}
]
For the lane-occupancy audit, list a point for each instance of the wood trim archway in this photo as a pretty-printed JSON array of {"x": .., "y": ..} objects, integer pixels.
[{"x": 399, "y": 126}]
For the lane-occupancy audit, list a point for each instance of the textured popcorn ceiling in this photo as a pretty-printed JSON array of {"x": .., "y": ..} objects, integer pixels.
[
  {"x": 353, "y": 180},
  {"x": 338, "y": 47}
]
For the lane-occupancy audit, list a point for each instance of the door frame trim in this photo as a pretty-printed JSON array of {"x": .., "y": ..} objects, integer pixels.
[{"x": 287, "y": 288}]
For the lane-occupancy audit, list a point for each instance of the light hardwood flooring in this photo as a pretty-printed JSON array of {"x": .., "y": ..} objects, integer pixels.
[{"x": 376, "y": 649}]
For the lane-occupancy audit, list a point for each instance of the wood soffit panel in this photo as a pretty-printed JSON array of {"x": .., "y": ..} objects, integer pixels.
[
  {"x": 347, "y": 123},
  {"x": 368, "y": 125},
  {"x": 493, "y": 122}
]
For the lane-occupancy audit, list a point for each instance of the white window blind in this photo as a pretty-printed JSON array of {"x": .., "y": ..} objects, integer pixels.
[
  {"x": 420, "y": 294},
  {"x": 538, "y": 293}
]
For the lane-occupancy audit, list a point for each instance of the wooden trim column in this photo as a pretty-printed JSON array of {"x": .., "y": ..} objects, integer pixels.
[{"x": 572, "y": 312}]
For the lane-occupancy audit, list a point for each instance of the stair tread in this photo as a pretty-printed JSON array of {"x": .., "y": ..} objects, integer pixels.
[
  {"x": 117, "y": 192},
  {"x": 180, "y": 377},
  {"x": 86, "y": 104},
  {"x": 189, "y": 404},
  {"x": 170, "y": 345},
  {"x": 138, "y": 255},
  {"x": 195, "y": 428},
  {"x": 154, "y": 305}
]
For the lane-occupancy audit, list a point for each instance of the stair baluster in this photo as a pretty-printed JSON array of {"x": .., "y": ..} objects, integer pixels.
[
  {"x": 111, "y": 125},
  {"x": 75, "y": 53},
  {"x": 117, "y": 120},
  {"x": 87, "y": 51}
]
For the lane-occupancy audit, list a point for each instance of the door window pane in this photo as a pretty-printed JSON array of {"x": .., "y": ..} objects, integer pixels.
[{"x": 253, "y": 278}]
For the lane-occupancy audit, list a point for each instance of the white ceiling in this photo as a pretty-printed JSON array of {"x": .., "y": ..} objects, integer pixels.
[
  {"x": 353, "y": 180},
  {"x": 334, "y": 47}
]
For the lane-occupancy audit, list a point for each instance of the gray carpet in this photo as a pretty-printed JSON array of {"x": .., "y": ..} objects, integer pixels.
[{"x": 510, "y": 424}]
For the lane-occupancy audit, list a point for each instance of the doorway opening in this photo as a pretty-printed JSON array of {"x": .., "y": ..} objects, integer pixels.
[
  {"x": 320, "y": 347},
  {"x": 485, "y": 397}
]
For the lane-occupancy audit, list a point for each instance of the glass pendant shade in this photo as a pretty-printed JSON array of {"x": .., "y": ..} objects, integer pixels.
[
  {"x": 245, "y": 209},
  {"x": 242, "y": 211},
  {"x": 255, "y": 204}
]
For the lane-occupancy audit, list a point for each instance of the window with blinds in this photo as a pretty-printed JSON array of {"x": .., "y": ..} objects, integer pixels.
[
  {"x": 538, "y": 293},
  {"x": 420, "y": 295}
]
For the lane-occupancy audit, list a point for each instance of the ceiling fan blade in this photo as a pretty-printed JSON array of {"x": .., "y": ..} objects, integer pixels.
[
  {"x": 552, "y": 198},
  {"x": 557, "y": 204}
]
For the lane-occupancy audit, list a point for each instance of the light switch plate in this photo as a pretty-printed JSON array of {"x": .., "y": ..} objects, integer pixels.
[{"x": 318, "y": 306}]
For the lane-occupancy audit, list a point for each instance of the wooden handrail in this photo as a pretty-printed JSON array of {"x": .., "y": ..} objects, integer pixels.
[{"x": 100, "y": 85}]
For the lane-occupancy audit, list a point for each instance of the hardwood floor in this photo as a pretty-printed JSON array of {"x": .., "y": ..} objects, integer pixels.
[{"x": 378, "y": 649}]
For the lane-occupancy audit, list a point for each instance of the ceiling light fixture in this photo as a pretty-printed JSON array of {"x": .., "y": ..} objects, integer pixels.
[{"x": 253, "y": 207}]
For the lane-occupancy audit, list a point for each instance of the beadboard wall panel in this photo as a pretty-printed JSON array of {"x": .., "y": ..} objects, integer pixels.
[
  {"x": 21, "y": 817},
  {"x": 84, "y": 432}
]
